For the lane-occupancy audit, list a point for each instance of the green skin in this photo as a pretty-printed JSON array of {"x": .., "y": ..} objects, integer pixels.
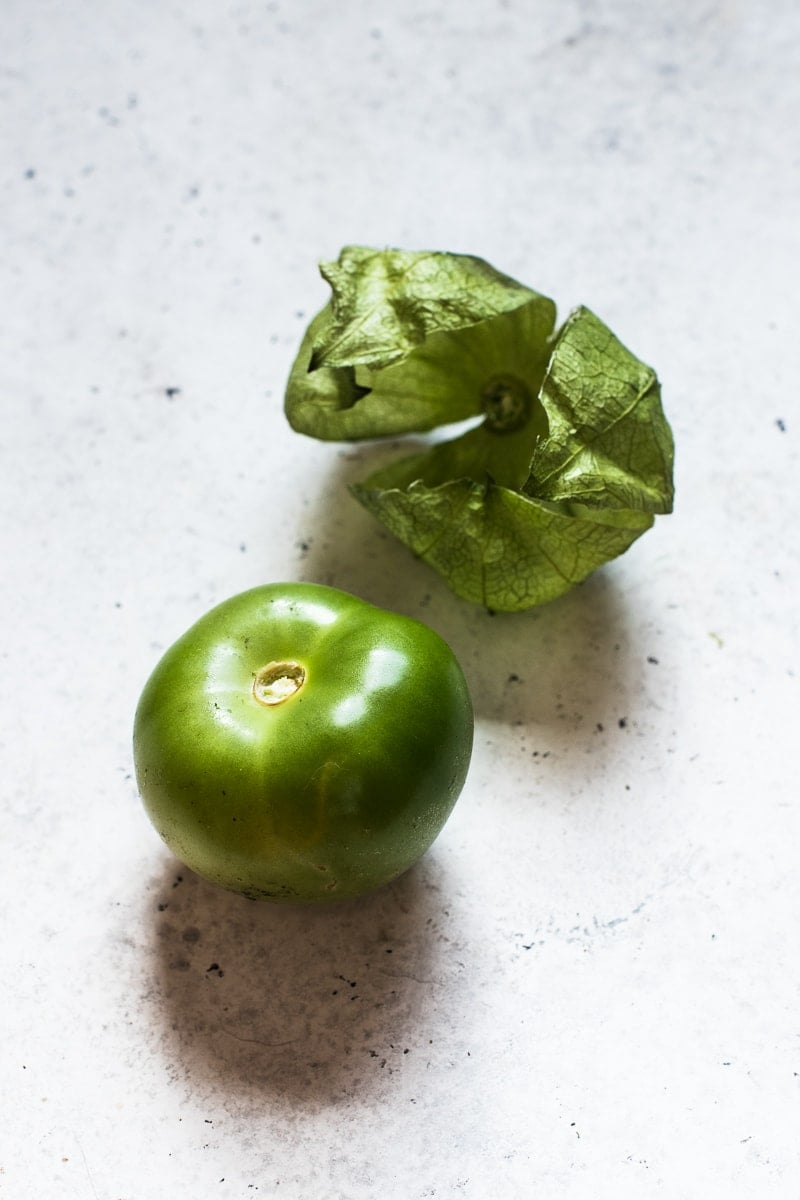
[{"x": 320, "y": 778}]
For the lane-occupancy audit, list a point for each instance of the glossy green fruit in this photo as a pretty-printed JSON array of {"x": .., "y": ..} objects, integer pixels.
[{"x": 299, "y": 744}]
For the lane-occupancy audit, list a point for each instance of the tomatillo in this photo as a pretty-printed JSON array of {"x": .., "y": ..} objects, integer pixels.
[{"x": 299, "y": 744}]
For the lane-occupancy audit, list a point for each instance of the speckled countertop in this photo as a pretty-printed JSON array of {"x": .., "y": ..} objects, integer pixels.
[{"x": 589, "y": 987}]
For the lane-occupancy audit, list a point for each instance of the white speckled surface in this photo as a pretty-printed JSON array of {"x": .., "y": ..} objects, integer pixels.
[{"x": 589, "y": 988}]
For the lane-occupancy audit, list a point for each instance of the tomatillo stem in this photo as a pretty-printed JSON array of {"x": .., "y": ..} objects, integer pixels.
[
  {"x": 506, "y": 402},
  {"x": 277, "y": 681}
]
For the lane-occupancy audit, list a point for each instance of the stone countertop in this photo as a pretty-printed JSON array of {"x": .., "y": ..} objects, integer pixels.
[{"x": 589, "y": 987}]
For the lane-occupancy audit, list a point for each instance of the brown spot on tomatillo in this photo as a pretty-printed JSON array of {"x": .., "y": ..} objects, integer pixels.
[
  {"x": 506, "y": 403},
  {"x": 277, "y": 682}
]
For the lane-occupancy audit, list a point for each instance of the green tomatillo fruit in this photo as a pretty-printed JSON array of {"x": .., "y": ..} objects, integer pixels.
[{"x": 299, "y": 744}]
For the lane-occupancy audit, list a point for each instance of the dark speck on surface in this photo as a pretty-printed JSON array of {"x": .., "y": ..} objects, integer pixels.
[
  {"x": 779, "y": 421},
  {"x": 622, "y": 722},
  {"x": 172, "y": 392}
]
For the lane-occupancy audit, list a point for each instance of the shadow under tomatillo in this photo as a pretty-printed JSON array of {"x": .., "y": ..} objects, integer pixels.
[{"x": 296, "y": 1003}]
